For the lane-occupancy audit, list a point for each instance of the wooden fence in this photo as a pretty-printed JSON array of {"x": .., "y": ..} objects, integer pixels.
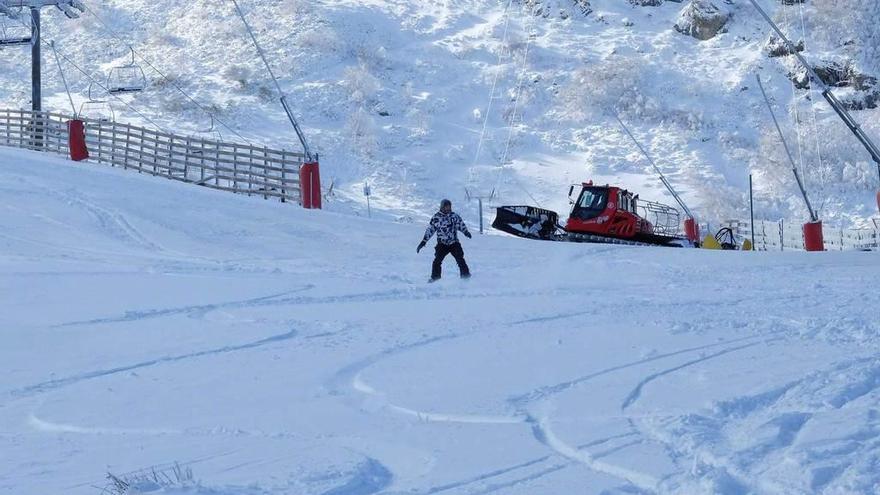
[
  {"x": 240, "y": 168},
  {"x": 787, "y": 235}
]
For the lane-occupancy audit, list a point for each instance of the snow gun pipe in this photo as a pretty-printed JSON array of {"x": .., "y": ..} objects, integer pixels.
[
  {"x": 797, "y": 175},
  {"x": 826, "y": 91},
  {"x": 283, "y": 98},
  {"x": 63, "y": 78},
  {"x": 656, "y": 168}
]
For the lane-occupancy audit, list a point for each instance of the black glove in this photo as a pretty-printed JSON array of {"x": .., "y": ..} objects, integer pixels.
[
  {"x": 467, "y": 234},
  {"x": 421, "y": 245}
]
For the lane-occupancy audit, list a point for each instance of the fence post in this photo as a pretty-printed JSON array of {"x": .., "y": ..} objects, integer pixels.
[
  {"x": 101, "y": 143},
  {"x": 156, "y": 156},
  {"x": 140, "y": 162},
  {"x": 235, "y": 167},
  {"x": 266, "y": 172},
  {"x": 283, "y": 177},
  {"x": 170, "y": 170},
  {"x": 186, "y": 156},
  {"x": 250, "y": 170},
  {"x": 202, "y": 162},
  {"x": 125, "y": 157},
  {"x": 782, "y": 235},
  {"x": 217, "y": 165},
  {"x": 8, "y": 123}
]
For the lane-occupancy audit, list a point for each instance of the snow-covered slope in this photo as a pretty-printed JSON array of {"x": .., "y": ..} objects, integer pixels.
[
  {"x": 268, "y": 349},
  {"x": 395, "y": 93}
]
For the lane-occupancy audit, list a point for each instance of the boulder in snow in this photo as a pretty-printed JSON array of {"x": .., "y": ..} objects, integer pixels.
[
  {"x": 702, "y": 19},
  {"x": 777, "y": 48},
  {"x": 858, "y": 90},
  {"x": 548, "y": 8}
]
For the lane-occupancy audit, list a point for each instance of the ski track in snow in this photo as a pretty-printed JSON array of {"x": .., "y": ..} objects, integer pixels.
[
  {"x": 744, "y": 415},
  {"x": 112, "y": 222},
  {"x": 537, "y": 462},
  {"x": 194, "y": 310},
  {"x": 285, "y": 299},
  {"x": 550, "y": 390},
  {"x": 49, "y": 385},
  {"x": 637, "y": 391},
  {"x": 40, "y": 424},
  {"x": 370, "y": 477},
  {"x": 52, "y": 427},
  {"x": 351, "y": 375},
  {"x": 545, "y": 434}
]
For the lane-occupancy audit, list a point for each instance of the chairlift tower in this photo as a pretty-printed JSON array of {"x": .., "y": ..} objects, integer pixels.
[{"x": 10, "y": 8}]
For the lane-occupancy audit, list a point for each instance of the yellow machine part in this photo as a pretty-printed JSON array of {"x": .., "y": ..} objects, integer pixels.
[{"x": 710, "y": 243}]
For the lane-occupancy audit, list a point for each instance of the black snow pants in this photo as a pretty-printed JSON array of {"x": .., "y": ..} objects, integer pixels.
[{"x": 440, "y": 253}]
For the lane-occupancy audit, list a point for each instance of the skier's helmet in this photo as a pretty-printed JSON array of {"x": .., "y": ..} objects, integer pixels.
[{"x": 446, "y": 205}]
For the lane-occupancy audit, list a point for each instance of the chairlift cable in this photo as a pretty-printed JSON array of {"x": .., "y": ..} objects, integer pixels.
[
  {"x": 510, "y": 127},
  {"x": 92, "y": 79},
  {"x": 164, "y": 77},
  {"x": 494, "y": 84},
  {"x": 829, "y": 96},
  {"x": 647, "y": 156},
  {"x": 810, "y": 89},
  {"x": 518, "y": 96},
  {"x": 98, "y": 83},
  {"x": 282, "y": 97},
  {"x": 813, "y": 216},
  {"x": 796, "y": 107},
  {"x": 127, "y": 78},
  {"x": 63, "y": 78},
  {"x": 93, "y": 103}
]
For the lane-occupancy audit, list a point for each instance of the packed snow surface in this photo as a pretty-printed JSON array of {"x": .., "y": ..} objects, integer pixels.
[{"x": 272, "y": 350}]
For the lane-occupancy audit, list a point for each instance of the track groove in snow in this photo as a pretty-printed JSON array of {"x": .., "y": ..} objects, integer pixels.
[
  {"x": 636, "y": 392},
  {"x": 199, "y": 309},
  {"x": 50, "y": 385},
  {"x": 550, "y": 390},
  {"x": 545, "y": 434}
]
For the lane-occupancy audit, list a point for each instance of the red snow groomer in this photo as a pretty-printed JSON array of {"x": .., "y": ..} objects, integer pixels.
[{"x": 606, "y": 214}]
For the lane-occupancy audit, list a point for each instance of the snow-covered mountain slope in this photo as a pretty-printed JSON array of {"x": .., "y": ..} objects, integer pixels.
[
  {"x": 269, "y": 349},
  {"x": 396, "y": 93}
]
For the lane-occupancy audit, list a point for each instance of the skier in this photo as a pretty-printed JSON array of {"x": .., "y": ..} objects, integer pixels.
[{"x": 446, "y": 225}]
